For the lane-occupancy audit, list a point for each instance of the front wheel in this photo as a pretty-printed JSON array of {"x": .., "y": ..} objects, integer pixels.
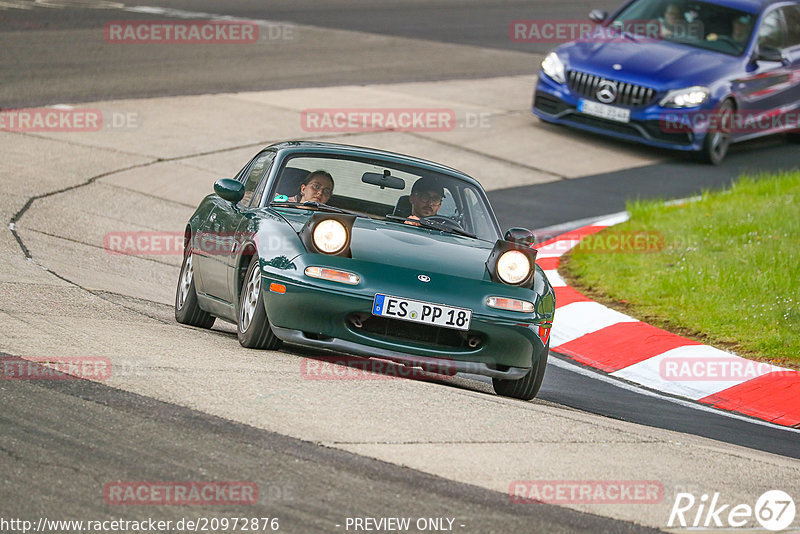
[
  {"x": 718, "y": 137},
  {"x": 186, "y": 309},
  {"x": 253, "y": 329},
  {"x": 527, "y": 387}
]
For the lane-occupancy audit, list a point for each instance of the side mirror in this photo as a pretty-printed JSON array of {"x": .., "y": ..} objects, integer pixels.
[
  {"x": 230, "y": 190},
  {"x": 598, "y": 15},
  {"x": 520, "y": 236},
  {"x": 768, "y": 53}
]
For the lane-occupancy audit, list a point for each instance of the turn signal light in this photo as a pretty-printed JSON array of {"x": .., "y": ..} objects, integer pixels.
[
  {"x": 277, "y": 288},
  {"x": 333, "y": 275},
  {"x": 503, "y": 303}
]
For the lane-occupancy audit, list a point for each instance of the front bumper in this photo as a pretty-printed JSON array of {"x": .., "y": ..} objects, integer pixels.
[
  {"x": 320, "y": 313},
  {"x": 651, "y": 125},
  {"x": 432, "y": 365}
]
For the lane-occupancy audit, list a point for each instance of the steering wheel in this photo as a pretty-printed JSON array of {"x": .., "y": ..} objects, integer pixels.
[
  {"x": 445, "y": 221},
  {"x": 728, "y": 40}
]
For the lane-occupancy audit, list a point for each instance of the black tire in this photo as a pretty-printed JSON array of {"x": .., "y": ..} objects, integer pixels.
[
  {"x": 527, "y": 387},
  {"x": 253, "y": 327},
  {"x": 718, "y": 139},
  {"x": 186, "y": 309}
]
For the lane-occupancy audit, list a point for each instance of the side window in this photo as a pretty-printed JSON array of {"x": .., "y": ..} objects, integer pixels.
[
  {"x": 448, "y": 207},
  {"x": 791, "y": 14},
  {"x": 480, "y": 223},
  {"x": 253, "y": 177},
  {"x": 771, "y": 33}
]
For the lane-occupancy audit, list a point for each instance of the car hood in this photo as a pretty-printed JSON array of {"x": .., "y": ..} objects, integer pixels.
[
  {"x": 656, "y": 64},
  {"x": 429, "y": 251},
  {"x": 412, "y": 247}
]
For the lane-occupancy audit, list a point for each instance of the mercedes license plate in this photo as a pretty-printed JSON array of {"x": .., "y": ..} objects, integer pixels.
[{"x": 604, "y": 111}]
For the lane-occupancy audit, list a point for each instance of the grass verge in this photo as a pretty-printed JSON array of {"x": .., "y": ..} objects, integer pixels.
[{"x": 724, "y": 269}]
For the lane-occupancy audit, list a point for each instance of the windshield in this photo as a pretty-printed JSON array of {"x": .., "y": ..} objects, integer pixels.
[
  {"x": 698, "y": 24},
  {"x": 385, "y": 190}
]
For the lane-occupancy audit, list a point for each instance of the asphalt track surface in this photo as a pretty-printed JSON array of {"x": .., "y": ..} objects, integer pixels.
[
  {"x": 47, "y": 72},
  {"x": 99, "y": 434}
]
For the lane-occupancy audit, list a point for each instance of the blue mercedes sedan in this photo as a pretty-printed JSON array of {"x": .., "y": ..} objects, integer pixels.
[{"x": 684, "y": 75}]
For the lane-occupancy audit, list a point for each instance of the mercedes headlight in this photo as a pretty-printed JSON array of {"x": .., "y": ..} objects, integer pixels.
[
  {"x": 690, "y": 97},
  {"x": 330, "y": 236},
  {"x": 554, "y": 68},
  {"x": 513, "y": 267}
]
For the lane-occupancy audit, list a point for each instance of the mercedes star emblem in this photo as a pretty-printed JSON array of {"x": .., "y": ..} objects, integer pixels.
[{"x": 606, "y": 92}]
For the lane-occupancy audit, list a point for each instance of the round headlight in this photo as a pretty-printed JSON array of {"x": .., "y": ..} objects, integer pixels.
[
  {"x": 513, "y": 267},
  {"x": 330, "y": 236}
]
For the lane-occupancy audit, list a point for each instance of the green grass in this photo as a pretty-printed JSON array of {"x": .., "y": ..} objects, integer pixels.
[{"x": 728, "y": 273}]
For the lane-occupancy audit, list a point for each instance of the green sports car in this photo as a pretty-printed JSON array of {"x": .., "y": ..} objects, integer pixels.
[{"x": 369, "y": 253}]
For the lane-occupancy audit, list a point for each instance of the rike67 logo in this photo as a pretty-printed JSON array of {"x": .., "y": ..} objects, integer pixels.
[{"x": 774, "y": 510}]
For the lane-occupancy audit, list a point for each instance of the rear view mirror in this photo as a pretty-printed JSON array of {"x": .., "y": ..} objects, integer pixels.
[
  {"x": 230, "y": 190},
  {"x": 383, "y": 180}
]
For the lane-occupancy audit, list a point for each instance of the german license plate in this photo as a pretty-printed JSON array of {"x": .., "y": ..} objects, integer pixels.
[
  {"x": 604, "y": 111},
  {"x": 417, "y": 311}
]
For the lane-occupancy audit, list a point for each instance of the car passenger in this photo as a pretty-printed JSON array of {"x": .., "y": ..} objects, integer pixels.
[
  {"x": 673, "y": 16},
  {"x": 740, "y": 29},
  {"x": 316, "y": 187}
]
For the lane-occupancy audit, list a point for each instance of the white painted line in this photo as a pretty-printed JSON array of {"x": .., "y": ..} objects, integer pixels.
[
  {"x": 597, "y": 375},
  {"x": 673, "y": 370},
  {"x": 558, "y": 229},
  {"x": 183, "y": 14},
  {"x": 555, "y": 278},
  {"x": 614, "y": 219},
  {"x": 580, "y": 318},
  {"x": 557, "y": 249}
]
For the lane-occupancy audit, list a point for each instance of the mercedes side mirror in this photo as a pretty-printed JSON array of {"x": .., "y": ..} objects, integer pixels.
[
  {"x": 769, "y": 53},
  {"x": 598, "y": 15}
]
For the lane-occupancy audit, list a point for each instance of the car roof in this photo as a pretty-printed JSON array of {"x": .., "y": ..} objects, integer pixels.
[
  {"x": 366, "y": 152},
  {"x": 750, "y": 6}
]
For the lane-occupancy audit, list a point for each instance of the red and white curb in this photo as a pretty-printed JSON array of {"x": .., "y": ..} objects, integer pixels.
[{"x": 605, "y": 339}]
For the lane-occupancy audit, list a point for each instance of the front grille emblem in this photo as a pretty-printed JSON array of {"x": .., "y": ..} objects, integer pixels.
[
  {"x": 424, "y": 278},
  {"x": 606, "y": 92}
]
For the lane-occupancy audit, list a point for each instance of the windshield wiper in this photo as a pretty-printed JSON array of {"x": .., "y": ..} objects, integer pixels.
[
  {"x": 316, "y": 205},
  {"x": 423, "y": 222},
  {"x": 619, "y": 27}
]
